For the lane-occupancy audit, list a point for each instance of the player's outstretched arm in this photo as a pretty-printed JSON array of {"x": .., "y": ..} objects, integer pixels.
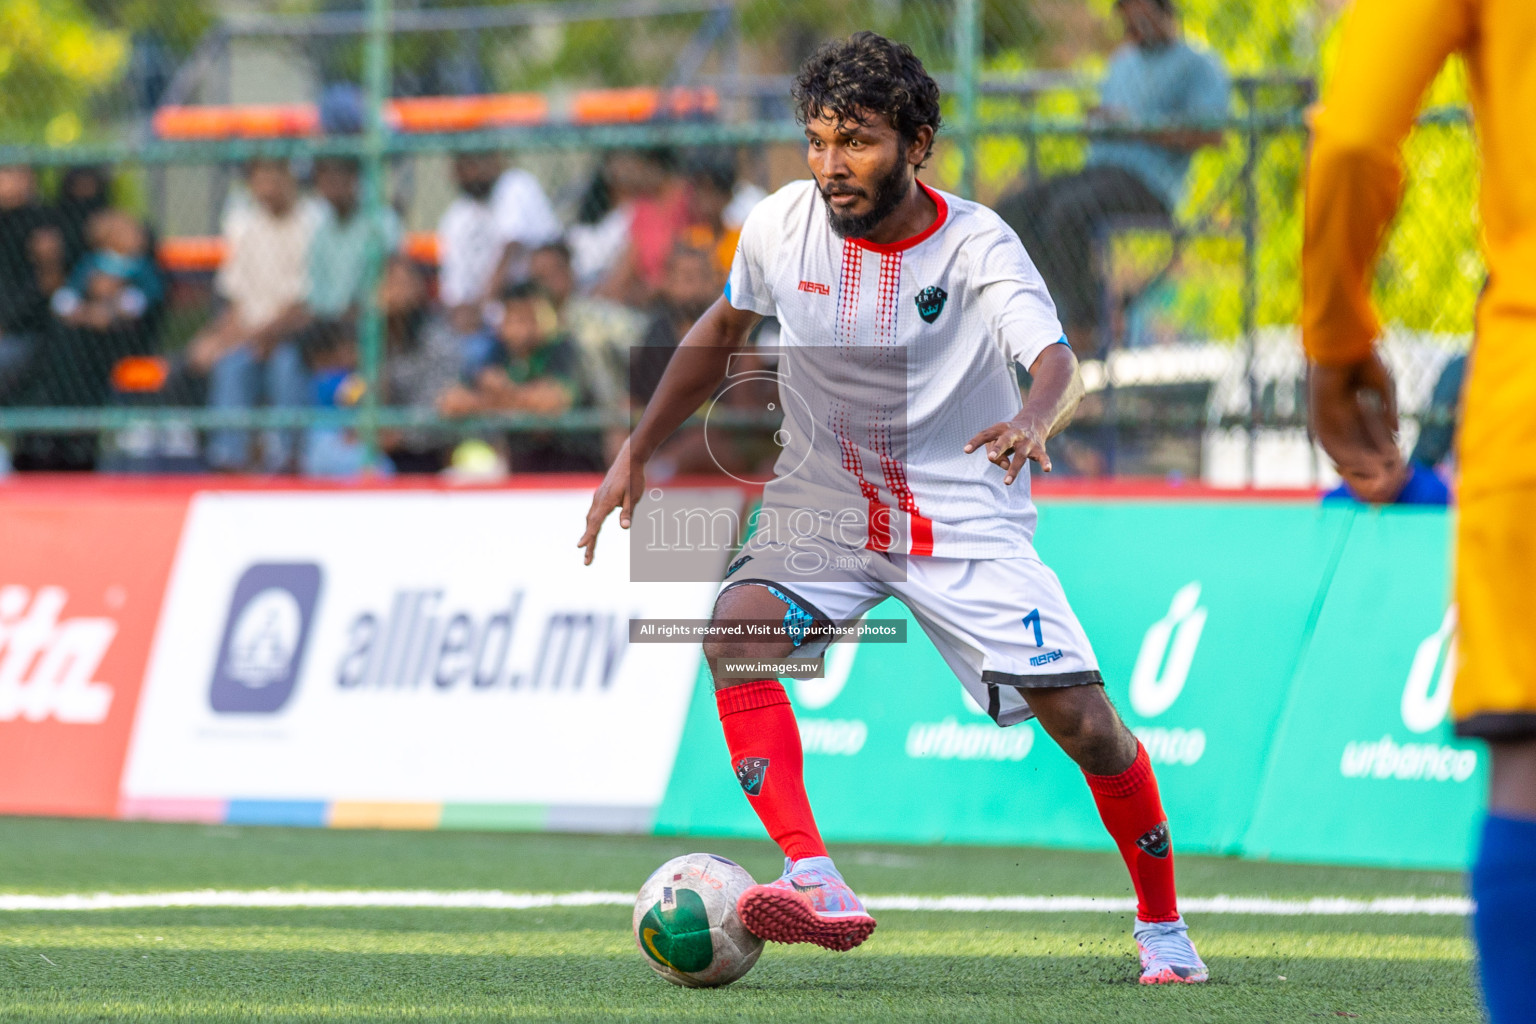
[
  {"x": 695, "y": 371},
  {"x": 1054, "y": 393},
  {"x": 1390, "y": 52}
]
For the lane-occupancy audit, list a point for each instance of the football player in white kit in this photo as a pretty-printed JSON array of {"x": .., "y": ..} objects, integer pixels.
[{"x": 902, "y": 311}]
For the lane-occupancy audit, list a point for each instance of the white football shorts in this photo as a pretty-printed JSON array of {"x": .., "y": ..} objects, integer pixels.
[{"x": 1003, "y": 625}]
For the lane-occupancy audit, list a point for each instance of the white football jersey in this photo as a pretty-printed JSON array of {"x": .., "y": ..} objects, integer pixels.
[{"x": 950, "y": 311}]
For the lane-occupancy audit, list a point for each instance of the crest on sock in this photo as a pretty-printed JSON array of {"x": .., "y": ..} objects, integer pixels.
[
  {"x": 750, "y": 772},
  {"x": 1156, "y": 842}
]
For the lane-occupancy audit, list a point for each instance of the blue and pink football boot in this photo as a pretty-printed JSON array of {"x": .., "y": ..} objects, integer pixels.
[{"x": 809, "y": 903}]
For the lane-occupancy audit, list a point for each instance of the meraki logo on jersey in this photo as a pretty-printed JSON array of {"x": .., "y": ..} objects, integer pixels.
[{"x": 930, "y": 303}]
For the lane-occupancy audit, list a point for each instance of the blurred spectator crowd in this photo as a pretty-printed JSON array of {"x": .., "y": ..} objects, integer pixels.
[{"x": 517, "y": 312}]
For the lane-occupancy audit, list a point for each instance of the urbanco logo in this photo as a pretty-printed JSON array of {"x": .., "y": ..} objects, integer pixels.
[
  {"x": 264, "y": 638},
  {"x": 1427, "y": 694},
  {"x": 1425, "y": 702},
  {"x": 1162, "y": 665},
  {"x": 48, "y": 664},
  {"x": 952, "y": 739}
]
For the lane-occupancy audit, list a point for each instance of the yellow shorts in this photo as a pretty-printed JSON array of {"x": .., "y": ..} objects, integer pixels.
[{"x": 1495, "y": 693}]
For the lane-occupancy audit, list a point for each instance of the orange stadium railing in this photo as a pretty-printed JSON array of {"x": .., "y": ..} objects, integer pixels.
[{"x": 429, "y": 114}]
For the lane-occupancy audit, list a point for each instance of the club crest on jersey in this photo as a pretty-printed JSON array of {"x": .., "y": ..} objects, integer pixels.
[
  {"x": 1155, "y": 843},
  {"x": 930, "y": 303},
  {"x": 750, "y": 772}
]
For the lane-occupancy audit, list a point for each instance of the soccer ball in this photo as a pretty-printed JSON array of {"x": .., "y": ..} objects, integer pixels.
[{"x": 686, "y": 925}]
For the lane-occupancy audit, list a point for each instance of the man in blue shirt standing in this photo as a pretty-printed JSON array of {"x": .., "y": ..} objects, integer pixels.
[{"x": 1154, "y": 78}]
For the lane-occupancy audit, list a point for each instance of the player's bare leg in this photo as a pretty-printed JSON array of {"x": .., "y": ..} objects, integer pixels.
[
  {"x": 1085, "y": 725},
  {"x": 1512, "y": 779},
  {"x": 810, "y": 902}
]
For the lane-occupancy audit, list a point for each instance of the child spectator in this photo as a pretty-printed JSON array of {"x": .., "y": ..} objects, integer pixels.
[
  {"x": 115, "y": 283},
  {"x": 247, "y": 351},
  {"x": 486, "y": 233},
  {"x": 107, "y": 310},
  {"x": 421, "y": 361},
  {"x": 536, "y": 370},
  {"x": 330, "y": 347}
]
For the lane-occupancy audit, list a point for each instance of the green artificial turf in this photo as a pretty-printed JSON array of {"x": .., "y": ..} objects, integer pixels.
[{"x": 580, "y": 963}]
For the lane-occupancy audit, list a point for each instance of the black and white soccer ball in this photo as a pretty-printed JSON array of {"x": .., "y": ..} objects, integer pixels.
[{"x": 686, "y": 925}]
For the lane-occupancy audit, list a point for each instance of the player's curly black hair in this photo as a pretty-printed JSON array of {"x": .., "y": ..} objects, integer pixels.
[{"x": 868, "y": 74}]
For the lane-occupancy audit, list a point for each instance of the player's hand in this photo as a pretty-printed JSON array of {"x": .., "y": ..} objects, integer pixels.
[
  {"x": 1353, "y": 410},
  {"x": 620, "y": 489},
  {"x": 1011, "y": 445}
]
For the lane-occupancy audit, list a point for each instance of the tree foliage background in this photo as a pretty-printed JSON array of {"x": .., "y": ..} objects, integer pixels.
[{"x": 69, "y": 68}]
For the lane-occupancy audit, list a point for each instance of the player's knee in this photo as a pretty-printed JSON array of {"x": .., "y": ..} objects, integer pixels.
[
  {"x": 1081, "y": 726},
  {"x": 1105, "y": 751},
  {"x": 732, "y": 645},
  {"x": 736, "y": 629},
  {"x": 730, "y": 650},
  {"x": 1084, "y": 724}
]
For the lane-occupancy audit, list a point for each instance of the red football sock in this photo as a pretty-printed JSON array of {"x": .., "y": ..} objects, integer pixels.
[
  {"x": 1133, "y": 813},
  {"x": 764, "y": 741}
]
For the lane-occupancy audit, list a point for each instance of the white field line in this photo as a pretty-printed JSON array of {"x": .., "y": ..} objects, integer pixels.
[{"x": 491, "y": 899}]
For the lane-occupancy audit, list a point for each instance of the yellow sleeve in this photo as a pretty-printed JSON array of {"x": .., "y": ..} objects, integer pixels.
[{"x": 1390, "y": 52}]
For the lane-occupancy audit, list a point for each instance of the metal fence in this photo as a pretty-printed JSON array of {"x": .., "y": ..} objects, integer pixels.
[{"x": 170, "y": 307}]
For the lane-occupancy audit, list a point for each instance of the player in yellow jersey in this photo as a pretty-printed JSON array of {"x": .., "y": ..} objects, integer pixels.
[{"x": 1390, "y": 53}]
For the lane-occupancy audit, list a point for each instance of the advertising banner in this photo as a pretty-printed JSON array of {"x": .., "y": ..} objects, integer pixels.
[
  {"x": 80, "y": 587},
  {"x": 441, "y": 659},
  {"x": 1201, "y": 616},
  {"x": 1199, "y": 613},
  {"x": 1364, "y": 766},
  {"x": 417, "y": 659}
]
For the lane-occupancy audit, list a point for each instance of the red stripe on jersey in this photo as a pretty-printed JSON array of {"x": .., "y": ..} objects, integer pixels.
[
  {"x": 879, "y": 526},
  {"x": 848, "y": 278},
  {"x": 922, "y": 535},
  {"x": 892, "y": 469},
  {"x": 895, "y": 473},
  {"x": 889, "y": 291},
  {"x": 849, "y": 281}
]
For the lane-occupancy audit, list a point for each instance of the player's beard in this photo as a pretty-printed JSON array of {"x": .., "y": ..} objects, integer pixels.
[{"x": 885, "y": 195}]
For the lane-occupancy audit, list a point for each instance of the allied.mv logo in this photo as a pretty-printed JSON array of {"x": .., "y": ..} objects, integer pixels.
[
  {"x": 264, "y": 638},
  {"x": 930, "y": 303}
]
